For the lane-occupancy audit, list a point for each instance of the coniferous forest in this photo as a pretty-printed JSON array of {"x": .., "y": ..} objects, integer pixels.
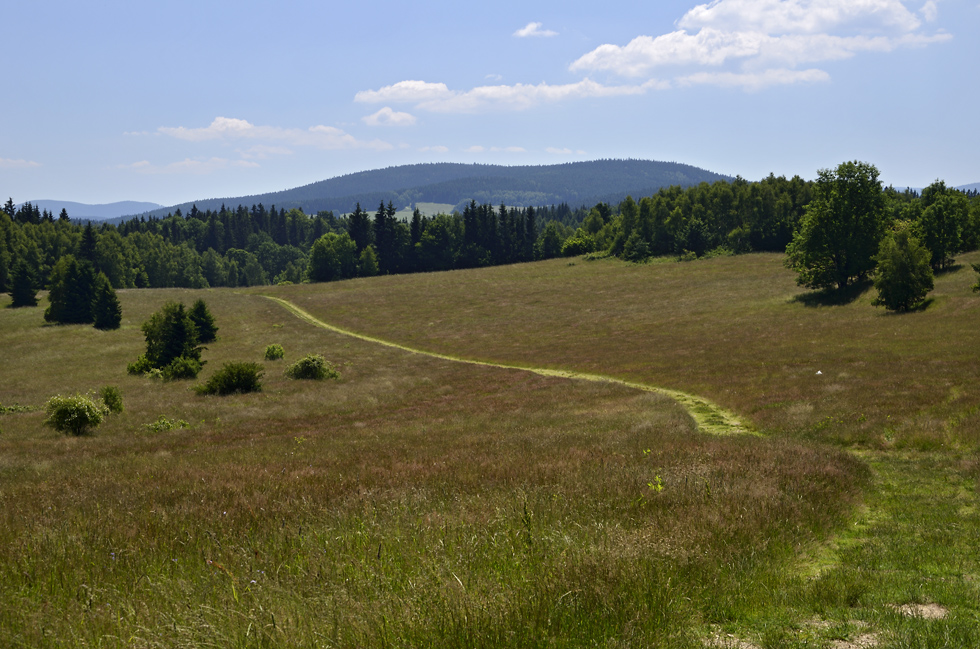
[{"x": 256, "y": 245}]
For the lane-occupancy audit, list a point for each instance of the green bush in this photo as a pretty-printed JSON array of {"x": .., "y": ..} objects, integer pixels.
[
  {"x": 112, "y": 398},
  {"x": 181, "y": 368},
  {"x": 241, "y": 377},
  {"x": 312, "y": 367},
  {"x": 274, "y": 352},
  {"x": 163, "y": 424},
  {"x": 141, "y": 365},
  {"x": 74, "y": 414}
]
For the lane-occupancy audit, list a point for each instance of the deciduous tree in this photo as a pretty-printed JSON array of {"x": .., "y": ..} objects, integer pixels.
[{"x": 841, "y": 229}]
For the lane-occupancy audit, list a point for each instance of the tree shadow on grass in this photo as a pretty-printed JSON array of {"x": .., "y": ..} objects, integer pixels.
[
  {"x": 948, "y": 270},
  {"x": 918, "y": 308},
  {"x": 834, "y": 297}
]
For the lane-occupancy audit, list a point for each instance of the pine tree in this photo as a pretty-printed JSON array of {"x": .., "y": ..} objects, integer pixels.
[
  {"x": 106, "y": 310},
  {"x": 22, "y": 292}
]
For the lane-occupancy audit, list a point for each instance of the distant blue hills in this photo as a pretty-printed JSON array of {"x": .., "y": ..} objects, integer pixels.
[
  {"x": 575, "y": 183},
  {"x": 84, "y": 211}
]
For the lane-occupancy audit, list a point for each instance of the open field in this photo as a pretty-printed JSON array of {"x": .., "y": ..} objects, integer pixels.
[{"x": 421, "y": 502}]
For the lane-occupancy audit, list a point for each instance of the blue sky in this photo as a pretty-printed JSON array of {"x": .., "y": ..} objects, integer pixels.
[{"x": 176, "y": 101}]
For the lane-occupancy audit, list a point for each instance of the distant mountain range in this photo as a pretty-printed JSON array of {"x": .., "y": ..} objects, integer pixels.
[
  {"x": 84, "y": 211},
  {"x": 576, "y": 183}
]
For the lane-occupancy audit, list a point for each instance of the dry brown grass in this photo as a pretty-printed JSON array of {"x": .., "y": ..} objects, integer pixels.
[
  {"x": 416, "y": 501},
  {"x": 734, "y": 329}
]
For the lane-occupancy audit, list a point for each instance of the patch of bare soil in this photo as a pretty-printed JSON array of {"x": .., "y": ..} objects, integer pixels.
[
  {"x": 863, "y": 641},
  {"x": 719, "y": 640},
  {"x": 925, "y": 611}
]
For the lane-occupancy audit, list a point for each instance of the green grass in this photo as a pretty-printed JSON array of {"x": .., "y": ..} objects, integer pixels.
[{"x": 420, "y": 501}]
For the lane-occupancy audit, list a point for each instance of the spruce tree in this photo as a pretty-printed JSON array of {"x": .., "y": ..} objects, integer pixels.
[
  {"x": 207, "y": 332},
  {"x": 22, "y": 292},
  {"x": 106, "y": 310},
  {"x": 72, "y": 290}
]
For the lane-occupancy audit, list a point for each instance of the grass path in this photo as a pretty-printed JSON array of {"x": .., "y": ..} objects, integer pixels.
[{"x": 708, "y": 416}]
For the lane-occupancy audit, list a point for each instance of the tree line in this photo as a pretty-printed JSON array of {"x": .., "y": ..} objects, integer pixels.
[{"x": 246, "y": 246}]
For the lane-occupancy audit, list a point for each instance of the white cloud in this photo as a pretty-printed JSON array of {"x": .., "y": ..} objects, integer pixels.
[
  {"x": 194, "y": 166},
  {"x": 404, "y": 91},
  {"x": 231, "y": 129},
  {"x": 564, "y": 151},
  {"x": 533, "y": 29},
  {"x": 800, "y": 16},
  {"x": 508, "y": 149},
  {"x": 930, "y": 11},
  {"x": 435, "y": 149},
  {"x": 7, "y": 163},
  {"x": 388, "y": 117},
  {"x": 754, "y": 81},
  {"x": 474, "y": 149},
  {"x": 436, "y": 97},
  {"x": 754, "y": 43}
]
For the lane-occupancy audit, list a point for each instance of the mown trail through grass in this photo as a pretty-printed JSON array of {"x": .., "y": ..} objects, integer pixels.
[{"x": 709, "y": 417}]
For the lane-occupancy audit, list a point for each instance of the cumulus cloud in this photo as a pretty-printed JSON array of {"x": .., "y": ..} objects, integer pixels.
[
  {"x": 231, "y": 129},
  {"x": 930, "y": 11},
  {"x": 474, "y": 149},
  {"x": 755, "y": 43},
  {"x": 194, "y": 166},
  {"x": 563, "y": 151},
  {"x": 7, "y": 163},
  {"x": 435, "y": 149},
  {"x": 534, "y": 29},
  {"x": 437, "y": 97},
  {"x": 800, "y": 16},
  {"x": 388, "y": 117}
]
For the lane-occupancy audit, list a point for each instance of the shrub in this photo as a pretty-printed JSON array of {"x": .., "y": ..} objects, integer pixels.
[
  {"x": 163, "y": 424},
  {"x": 274, "y": 352},
  {"x": 241, "y": 377},
  {"x": 74, "y": 414},
  {"x": 312, "y": 367},
  {"x": 181, "y": 368},
  {"x": 112, "y": 398},
  {"x": 140, "y": 366}
]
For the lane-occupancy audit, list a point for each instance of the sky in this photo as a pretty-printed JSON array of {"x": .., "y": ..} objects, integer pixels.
[{"x": 177, "y": 101}]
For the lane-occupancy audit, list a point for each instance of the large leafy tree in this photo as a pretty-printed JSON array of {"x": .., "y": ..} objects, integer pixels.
[
  {"x": 944, "y": 218},
  {"x": 840, "y": 232}
]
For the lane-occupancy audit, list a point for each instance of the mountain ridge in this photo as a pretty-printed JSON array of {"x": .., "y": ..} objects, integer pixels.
[{"x": 575, "y": 183}]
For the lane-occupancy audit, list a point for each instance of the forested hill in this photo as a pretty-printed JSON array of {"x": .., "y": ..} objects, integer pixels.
[{"x": 575, "y": 183}]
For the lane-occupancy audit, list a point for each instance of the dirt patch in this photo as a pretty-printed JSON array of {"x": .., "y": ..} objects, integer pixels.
[
  {"x": 925, "y": 611},
  {"x": 863, "y": 641},
  {"x": 719, "y": 640}
]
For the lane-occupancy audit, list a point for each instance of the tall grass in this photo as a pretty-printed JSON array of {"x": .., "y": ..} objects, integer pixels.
[{"x": 416, "y": 502}]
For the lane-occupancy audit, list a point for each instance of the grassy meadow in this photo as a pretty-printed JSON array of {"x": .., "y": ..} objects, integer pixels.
[{"x": 420, "y": 502}]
